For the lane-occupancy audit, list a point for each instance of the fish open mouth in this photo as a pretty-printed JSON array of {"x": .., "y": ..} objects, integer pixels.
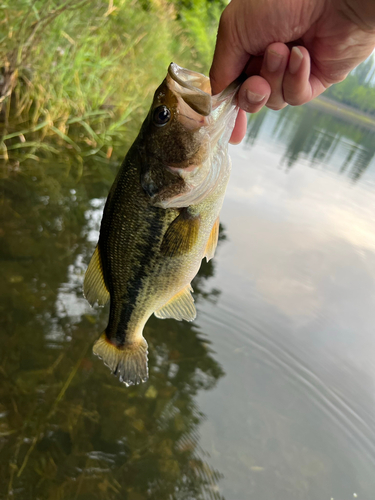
[
  {"x": 189, "y": 79},
  {"x": 194, "y": 88}
]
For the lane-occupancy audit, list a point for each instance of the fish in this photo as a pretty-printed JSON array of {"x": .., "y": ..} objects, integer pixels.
[{"x": 161, "y": 217}]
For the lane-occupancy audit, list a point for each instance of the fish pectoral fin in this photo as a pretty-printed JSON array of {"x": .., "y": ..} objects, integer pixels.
[
  {"x": 181, "y": 235},
  {"x": 212, "y": 241},
  {"x": 181, "y": 306},
  {"x": 94, "y": 288},
  {"x": 128, "y": 362}
]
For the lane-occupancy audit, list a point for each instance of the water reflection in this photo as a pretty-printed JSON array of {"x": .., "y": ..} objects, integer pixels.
[
  {"x": 268, "y": 394},
  {"x": 68, "y": 429},
  {"x": 316, "y": 137},
  {"x": 297, "y": 309}
]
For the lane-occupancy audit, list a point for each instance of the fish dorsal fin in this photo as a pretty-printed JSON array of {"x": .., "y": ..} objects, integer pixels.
[
  {"x": 181, "y": 235},
  {"x": 181, "y": 306},
  {"x": 212, "y": 241},
  {"x": 94, "y": 288}
]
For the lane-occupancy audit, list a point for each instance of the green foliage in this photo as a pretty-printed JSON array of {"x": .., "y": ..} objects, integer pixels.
[
  {"x": 200, "y": 19},
  {"x": 357, "y": 90},
  {"x": 78, "y": 63}
]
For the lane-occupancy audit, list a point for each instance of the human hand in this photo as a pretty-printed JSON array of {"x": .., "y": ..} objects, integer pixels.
[{"x": 330, "y": 38}]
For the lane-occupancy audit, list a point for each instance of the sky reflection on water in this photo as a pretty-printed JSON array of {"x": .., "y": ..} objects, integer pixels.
[{"x": 296, "y": 328}]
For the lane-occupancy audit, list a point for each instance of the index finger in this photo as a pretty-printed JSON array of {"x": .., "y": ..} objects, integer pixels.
[{"x": 230, "y": 59}]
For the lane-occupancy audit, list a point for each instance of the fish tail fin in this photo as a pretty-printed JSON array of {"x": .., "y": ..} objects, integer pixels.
[{"x": 129, "y": 361}]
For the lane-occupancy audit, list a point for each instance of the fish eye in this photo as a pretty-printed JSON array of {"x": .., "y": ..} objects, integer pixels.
[{"x": 161, "y": 116}]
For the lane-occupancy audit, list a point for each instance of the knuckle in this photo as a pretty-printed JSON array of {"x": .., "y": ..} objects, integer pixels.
[
  {"x": 330, "y": 73},
  {"x": 295, "y": 96},
  {"x": 329, "y": 80}
]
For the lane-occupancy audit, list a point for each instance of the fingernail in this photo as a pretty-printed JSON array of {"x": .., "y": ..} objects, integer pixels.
[
  {"x": 295, "y": 60},
  {"x": 254, "y": 98},
  {"x": 273, "y": 61}
]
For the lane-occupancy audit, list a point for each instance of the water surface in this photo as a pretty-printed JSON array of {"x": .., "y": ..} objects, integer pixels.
[{"x": 269, "y": 394}]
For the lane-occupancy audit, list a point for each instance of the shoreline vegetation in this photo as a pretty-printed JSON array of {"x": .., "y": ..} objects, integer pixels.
[
  {"x": 343, "y": 111},
  {"x": 74, "y": 73}
]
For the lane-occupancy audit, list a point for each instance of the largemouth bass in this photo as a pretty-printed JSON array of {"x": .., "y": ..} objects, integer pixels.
[{"x": 161, "y": 217}]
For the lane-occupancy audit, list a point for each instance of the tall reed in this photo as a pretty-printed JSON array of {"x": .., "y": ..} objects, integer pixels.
[{"x": 80, "y": 69}]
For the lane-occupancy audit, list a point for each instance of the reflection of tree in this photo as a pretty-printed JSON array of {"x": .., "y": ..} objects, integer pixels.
[
  {"x": 302, "y": 141},
  {"x": 364, "y": 157},
  {"x": 254, "y": 126},
  {"x": 68, "y": 429},
  {"x": 317, "y": 136},
  {"x": 324, "y": 147}
]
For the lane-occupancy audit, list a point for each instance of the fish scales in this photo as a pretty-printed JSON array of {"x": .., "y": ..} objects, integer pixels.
[
  {"x": 161, "y": 217},
  {"x": 129, "y": 252}
]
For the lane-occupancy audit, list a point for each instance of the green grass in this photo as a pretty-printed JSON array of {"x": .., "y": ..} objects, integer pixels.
[{"x": 83, "y": 69}]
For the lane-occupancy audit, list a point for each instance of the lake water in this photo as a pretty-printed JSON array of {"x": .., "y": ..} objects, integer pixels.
[{"x": 268, "y": 394}]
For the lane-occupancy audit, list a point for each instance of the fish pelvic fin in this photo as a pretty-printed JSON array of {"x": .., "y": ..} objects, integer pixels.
[
  {"x": 94, "y": 287},
  {"x": 181, "y": 306},
  {"x": 128, "y": 362},
  {"x": 181, "y": 235},
  {"x": 212, "y": 241}
]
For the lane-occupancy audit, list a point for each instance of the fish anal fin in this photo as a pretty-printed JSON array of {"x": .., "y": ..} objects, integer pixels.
[
  {"x": 128, "y": 362},
  {"x": 181, "y": 235},
  {"x": 212, "y": 241},
  {"x": 94, "y": 288},
  {"x": 180, "y": 306}
]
